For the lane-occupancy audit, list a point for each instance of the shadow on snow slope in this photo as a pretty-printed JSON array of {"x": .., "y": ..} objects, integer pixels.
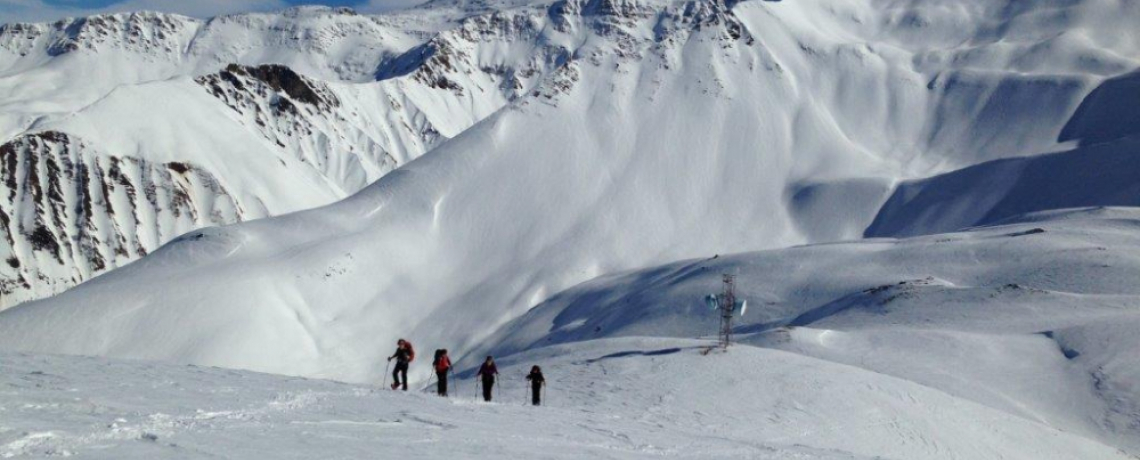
[
  {"x": 1098, "y": 175},
  {"x": 1103, "y": 171},
  {"x": 1110, "y": 112},
  {"x": 963, "y": 313}
]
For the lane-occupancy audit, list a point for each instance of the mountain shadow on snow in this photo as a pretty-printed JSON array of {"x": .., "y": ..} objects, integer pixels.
[
  {"x": 1090, "y": 176},
  {"x": 1110, "y": 112}
]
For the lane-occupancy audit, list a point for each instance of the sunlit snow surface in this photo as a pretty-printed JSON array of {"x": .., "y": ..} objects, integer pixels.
[
  {"x": 622, "y": 398},
  {"x": 590, "y": 171},
  {"x": 596, "y": 135},
  {"x": 1015, "y": 341}
]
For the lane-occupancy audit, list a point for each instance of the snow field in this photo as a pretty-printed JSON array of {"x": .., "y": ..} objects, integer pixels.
[
  {"x": 589, "y": 170},
  {"x": 619, "y": 398}
]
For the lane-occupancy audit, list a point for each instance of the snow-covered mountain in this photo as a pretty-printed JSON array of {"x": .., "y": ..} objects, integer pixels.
[
  {"x": 963, "y": 345},
  {"x": 263, "y": 114},
  {"x": 297, "y": 109},
  {"x": 927, "y": 198},
  {"x": 633, "y": 133}
]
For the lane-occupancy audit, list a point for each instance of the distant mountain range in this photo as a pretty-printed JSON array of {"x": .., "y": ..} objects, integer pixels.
[{"x": 514, "y": 149}]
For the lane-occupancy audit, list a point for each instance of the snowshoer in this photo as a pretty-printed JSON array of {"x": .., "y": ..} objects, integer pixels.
[
  {"x": 488, "y": 371},
  {"x": 404, "y": 356},
  {"x": 537, "y": 381},
  {"x": 442, "y": 366}
]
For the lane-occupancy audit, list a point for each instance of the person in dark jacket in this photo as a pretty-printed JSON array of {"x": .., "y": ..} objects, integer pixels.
[
  {"x": 488, "y": 372},
  {"x": 442, "y": 366},
  {"x": 537, "y": 381},
  {"x": 403, "y": 357}
]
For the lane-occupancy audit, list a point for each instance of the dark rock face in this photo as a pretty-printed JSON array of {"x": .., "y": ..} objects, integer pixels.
[
  {"x": 239, "y": 85},
  {"x": 68, "y": 214},
  {"x": 304, "y": 119},
  {"x": 283, "y": 79},
  {"x": 69, "y": 211}
]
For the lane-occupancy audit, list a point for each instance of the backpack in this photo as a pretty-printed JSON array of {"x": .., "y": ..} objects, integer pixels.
[
  {"x": 442, "y": 364},
  {"x": 411, "y": 351}
]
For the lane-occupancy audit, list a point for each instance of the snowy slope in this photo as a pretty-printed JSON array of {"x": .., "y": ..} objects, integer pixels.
[
  {"x": 1035, "y": 319},
  {"x": 169, "y": 89},
  {"x": 588, "y": 170},
  {"x": 827, "y": 105},
  {"x": 1096, "y": 175},
  {"x": 654, "y": 132},
  {"x": 1099, "y": 172},
  {"x": 626, "y": 398},
  {"x": 1015, "y": 341},
  {"x": 76, "y": 199},
  {"x": 1049, "y": 271}
]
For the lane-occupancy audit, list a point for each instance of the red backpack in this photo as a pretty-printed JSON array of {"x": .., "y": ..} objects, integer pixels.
[
  {"x": 411, "y": 351},
  {"x": 443, "y": 365}
]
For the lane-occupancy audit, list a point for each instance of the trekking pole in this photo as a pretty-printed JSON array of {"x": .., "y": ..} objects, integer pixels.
[
  {"x": 386, "y": 373},
  {"x": 542, "y": 402}
]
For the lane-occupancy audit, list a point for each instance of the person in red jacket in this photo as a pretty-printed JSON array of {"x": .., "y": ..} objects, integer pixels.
[
  {"x": 489, "y": 372},
  {"x": 442, "y": 366}
]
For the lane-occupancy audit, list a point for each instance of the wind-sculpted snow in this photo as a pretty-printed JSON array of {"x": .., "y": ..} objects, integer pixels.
[
  {"x": 890, "y": 90},
  {"x": 279, "y": 140},
  {"x": 1000, "y": 279},
  {"x": 1035, "y": 319},
  {"x": 1101, "y": 171},
  {"x": 1109, "y": 113},
  {"x": 574, "y": 139},
  {"x": 1098, "y": 175},
  {"x": 571, "y": 174}
]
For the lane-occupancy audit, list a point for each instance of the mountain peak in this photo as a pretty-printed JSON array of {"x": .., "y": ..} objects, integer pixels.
[
  {"x": 146, "y": 31},
  {"x": 318, "y": 10}
]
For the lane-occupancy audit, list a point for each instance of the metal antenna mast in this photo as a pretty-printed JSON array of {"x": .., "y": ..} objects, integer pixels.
[
  {"x": 727, "y": 301},
  {"x": 726, "y": 305}
]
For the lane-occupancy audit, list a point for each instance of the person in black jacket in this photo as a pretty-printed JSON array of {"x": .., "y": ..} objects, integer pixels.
[
  {"x": 537, "y": 381},
  {"x": 403, "y": 356},
  {"x": 488, "y": 372}
]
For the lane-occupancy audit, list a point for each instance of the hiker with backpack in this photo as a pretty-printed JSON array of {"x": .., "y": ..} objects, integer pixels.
[
  {"x": 442, "y": 365},
  {"x": 537, "y": 381},
  {"x": 489, "y": 372},
  {"x": 404, "y": 356}
]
